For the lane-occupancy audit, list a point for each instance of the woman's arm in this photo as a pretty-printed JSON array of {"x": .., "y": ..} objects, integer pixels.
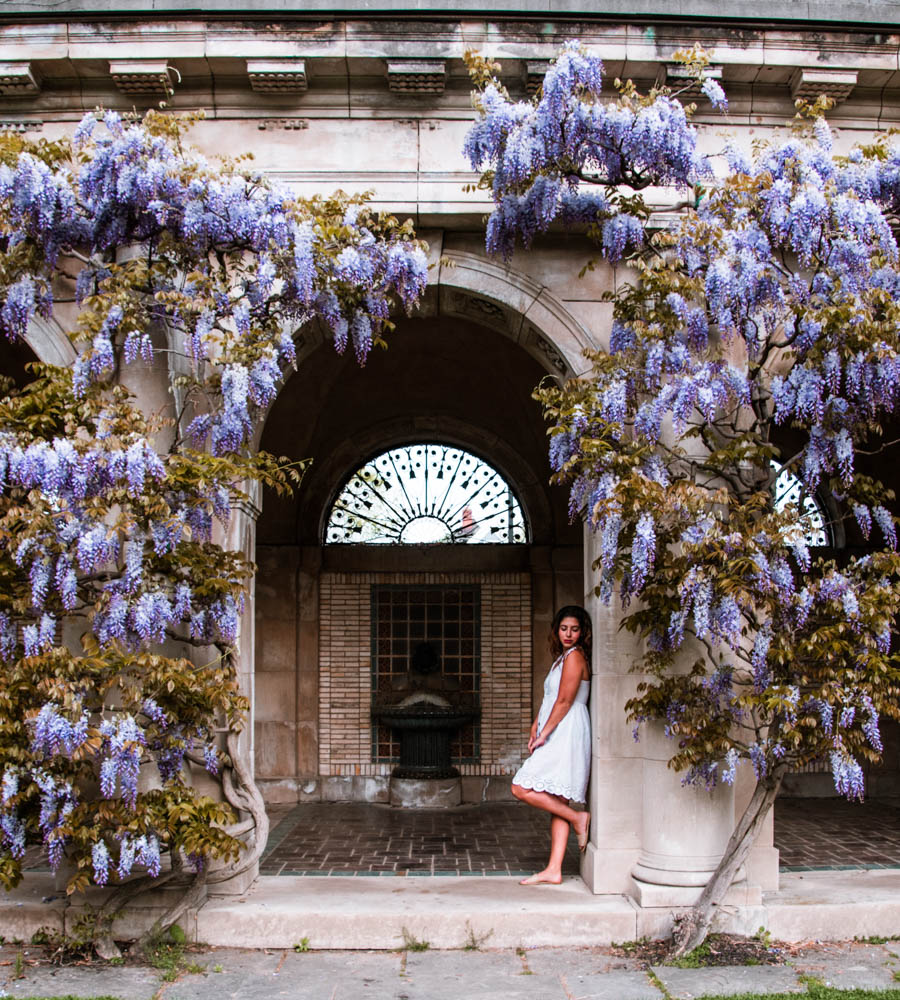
[{"x": 572, "y": 671}]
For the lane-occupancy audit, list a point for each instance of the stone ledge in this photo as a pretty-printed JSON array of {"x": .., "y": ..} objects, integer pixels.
[{"x": 751, "y": 11}]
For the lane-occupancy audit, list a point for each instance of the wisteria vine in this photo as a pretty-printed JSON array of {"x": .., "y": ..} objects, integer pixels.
[
  {"x": 110, "y": 520},
  {"x": 760, "y": 333}
]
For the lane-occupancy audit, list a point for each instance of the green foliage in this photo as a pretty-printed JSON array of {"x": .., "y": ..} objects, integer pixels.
[
  {"x": 302, "y": 945},
  {"x": 412, "y": 943},
  {"x": 814, "y": 991},
  {"x": 165, "y": 951},
  {"x": 76, "y": 943},
  {"x": 764, "y": 937},
  {"x": 475, "y": 942},
  {"x": 695, "y": 959}
]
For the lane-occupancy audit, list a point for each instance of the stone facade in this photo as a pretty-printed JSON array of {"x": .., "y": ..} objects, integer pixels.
[{"x": 382, "y": 104}]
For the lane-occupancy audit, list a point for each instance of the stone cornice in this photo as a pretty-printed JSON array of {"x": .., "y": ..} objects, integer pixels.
[
  {"x": 798, "y": 12},
  {"x": 211, "y": 60}
]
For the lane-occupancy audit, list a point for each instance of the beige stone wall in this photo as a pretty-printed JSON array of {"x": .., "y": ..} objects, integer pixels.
[{"x": 345, "y": 670}]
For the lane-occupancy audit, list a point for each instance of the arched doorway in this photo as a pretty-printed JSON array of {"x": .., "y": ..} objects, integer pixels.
[{"x": 466, "y": 390}]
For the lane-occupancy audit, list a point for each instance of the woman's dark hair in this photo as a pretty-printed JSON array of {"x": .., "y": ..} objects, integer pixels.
[{"x": 584, "y": 620}]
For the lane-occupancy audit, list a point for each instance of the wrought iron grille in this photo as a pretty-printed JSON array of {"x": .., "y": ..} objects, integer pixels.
[
  {"x": 449, "y": 618},
  {"x": 812, "y": 523},
  {"x": 427, "y": 494}
]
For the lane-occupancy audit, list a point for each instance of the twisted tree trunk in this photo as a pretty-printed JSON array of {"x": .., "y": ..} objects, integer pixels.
[
  {"x": 692, "y": 927},
  {"x": 103, "y": 942},
  {"x": 240, "y": 791}
]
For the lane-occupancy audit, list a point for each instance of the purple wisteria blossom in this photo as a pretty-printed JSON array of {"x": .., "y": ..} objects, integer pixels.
[
  {"x": 760, "y": 328},
  {"x": 542, "y": 152}
]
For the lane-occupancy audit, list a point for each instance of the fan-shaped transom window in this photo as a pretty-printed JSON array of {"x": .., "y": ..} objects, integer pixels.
[
  {"x": 427, "y": 494},
  {"x": 812, "y": 522}
]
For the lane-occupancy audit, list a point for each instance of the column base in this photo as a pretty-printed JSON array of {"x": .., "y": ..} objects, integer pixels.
[
  {"x": 650, "y": 894},
  {"x": 237, "y": 885}
]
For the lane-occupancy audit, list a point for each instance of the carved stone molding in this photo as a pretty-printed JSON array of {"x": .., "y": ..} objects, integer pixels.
[
  {"x": 20, "y": 125},
  {"x": 533, "y": 73},
  {"x": 481, "y": 310},
  {"x": 416, "y": 76},
  {"x": 18, "y": 79},
  {"x": 274, "y": 124},
  {"x": 808, "y": 84},
  {"x": 277, "y": 76},
  {"x": 550, "y": 352},
  {"x": 141, "y": 76},
  {"x": 680, "y": 78}
]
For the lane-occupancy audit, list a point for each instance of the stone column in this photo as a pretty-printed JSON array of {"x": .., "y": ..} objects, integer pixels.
[
  {"x": 651, "y": 837},
  {"x": 614, "y": 795},
  {"x": 240, "y": 536},
  {"x": 307, "y": 710},
  {"x": 684, "y": 832}
]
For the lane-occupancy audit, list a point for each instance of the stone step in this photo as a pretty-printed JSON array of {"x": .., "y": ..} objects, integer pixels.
[{"x": 445, "y": 912}]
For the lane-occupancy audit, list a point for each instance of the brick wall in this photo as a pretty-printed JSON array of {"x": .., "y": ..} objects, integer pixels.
[{"x": 345, "y": 669}]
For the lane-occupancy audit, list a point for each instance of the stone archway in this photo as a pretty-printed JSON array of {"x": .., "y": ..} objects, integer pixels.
[
  {"x": 513, "y": 304},
  {"x": 49, "y": 341},
  {"x": 471, "y": 312}
]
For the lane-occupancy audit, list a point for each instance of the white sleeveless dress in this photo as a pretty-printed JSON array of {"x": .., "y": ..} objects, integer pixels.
[{"x": 561, "y": 766}]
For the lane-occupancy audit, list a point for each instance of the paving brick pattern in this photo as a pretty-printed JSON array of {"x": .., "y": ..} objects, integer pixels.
[
  {"x": 814, "y": 834},
  {"x": 511, "y": 839},
  {"x": 360, "y": 839}
]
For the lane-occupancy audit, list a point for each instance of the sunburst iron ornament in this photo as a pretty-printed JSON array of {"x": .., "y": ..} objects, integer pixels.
[
  {"x": 424, "y": 494},
  {"x": 811, "y": 523}
]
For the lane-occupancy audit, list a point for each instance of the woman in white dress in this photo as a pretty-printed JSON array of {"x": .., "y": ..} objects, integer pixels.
[{"x": 560, "y": 741}]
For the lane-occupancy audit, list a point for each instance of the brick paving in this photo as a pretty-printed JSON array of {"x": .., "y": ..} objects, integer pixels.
[
  {"x": 344, "y": 838},
  {"x": 815, "y": 834},
  {"x": 512, "y": 839},
  {"x": 352, "y": 838}
]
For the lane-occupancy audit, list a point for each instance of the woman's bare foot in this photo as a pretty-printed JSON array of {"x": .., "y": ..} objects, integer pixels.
[
  {"x": 542, "y": 878},
  {"x": 583, "y": 829}
]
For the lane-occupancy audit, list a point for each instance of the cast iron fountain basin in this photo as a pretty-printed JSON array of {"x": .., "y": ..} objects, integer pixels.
[{"x": 425, "y": 734}]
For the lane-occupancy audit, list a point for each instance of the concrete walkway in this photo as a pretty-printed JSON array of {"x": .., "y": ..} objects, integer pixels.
[{"x": 498, "y": 974}]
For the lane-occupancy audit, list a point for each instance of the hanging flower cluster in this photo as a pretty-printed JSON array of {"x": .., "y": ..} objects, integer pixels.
[
  {"x": 541, "y": 157},
  {"x": 110, "y": 521},
  {"x": 229, "y": 262},
  {"x": 773, "y": 303}
]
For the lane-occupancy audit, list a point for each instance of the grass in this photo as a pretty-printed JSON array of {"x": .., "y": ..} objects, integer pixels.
[
  {"x": 474, "y": 942},
  {"x": 695, "y": 959},
  {"x": 411, "y": 943},
  {"x": 166, "y": 954}
]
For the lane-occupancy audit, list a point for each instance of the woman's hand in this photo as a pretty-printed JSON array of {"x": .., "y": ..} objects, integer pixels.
[
  {"x": 532, "y": 736},
  {"x": 537, "y": 741}
]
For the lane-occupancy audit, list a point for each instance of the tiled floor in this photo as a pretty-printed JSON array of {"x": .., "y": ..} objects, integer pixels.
[
  {"x": 512, "y": 839},
  {"x": 358, "y": 839},
  {"x": 508, "y": 838},
  {"x": 833, "y": 833}
]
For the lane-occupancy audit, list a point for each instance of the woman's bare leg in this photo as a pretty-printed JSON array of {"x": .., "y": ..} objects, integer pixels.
[
  {"x": 562, "y": 816},
  {"x": 559, "y": 839}
]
